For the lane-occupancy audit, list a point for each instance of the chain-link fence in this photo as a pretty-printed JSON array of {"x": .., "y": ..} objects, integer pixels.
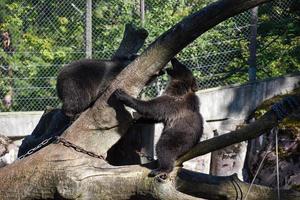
[{"x": 40, "y": 37}]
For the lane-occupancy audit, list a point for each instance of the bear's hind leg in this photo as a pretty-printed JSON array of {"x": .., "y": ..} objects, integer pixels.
[
  {"x": 169, "y": 147},
  {"x": 166, "y": 153}
]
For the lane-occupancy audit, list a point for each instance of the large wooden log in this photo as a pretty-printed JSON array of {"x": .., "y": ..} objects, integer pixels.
[{"x": 60, "y": 172}]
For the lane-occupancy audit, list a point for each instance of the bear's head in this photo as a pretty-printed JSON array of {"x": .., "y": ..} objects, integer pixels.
[{"x": 182, "y": 80}]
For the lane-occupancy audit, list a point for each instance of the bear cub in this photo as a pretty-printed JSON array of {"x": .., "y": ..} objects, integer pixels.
[
  {"x": 178, "y": 110},
  {"x": 81, "y": 82}
]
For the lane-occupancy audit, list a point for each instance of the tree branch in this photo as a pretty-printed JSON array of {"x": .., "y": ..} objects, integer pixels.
[
  {"x": 226, "y": 187},
  {"x": 132, "y": 41},
  {"x": 253, "y": 130},
  {"x": 158, "y": 54}
]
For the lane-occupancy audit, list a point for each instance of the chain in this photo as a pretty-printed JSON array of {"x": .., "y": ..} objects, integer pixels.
[
  {"x": 77, "y": 148},
  {"x": 31, "y": 151},
  {"x": 66, "y": 143}
]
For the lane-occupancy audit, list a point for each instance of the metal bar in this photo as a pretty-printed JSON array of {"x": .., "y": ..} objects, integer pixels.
[
  {"x": 252, "y": 46},
  {"x": 142, "y": 12},
  {"x": 88, "y": 29}
]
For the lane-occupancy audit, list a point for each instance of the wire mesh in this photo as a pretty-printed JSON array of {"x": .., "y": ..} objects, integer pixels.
[{"x": 40, "y": 37}]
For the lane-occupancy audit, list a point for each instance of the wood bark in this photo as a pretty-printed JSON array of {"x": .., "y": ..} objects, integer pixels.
[
  {"x": 4, "y": 142},
  {"x": 226, "y": 187},
  {"x": 58, "y": 172}
]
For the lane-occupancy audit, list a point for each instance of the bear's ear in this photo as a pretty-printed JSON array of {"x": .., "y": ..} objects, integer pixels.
[{"x": 194, "y": 85}]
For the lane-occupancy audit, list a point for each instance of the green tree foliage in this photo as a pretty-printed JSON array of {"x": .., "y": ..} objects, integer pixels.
[
  {"x": 44, "y": 35},
  {"x": 48, "y": 34},
  {"x": 279, "y": 39}
]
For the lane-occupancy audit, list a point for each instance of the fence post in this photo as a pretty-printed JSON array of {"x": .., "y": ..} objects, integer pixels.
[
  {"x": 88, "y": 29},
  {"x": 142, "y": 12},
  {"x": 252, "y": 46}
]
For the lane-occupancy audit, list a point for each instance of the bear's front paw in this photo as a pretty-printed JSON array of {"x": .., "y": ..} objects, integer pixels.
[{"x": 120, "y": 94}]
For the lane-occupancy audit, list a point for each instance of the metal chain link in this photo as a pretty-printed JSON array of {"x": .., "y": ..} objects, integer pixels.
[
  {"x": 31, "y": 151},
  {"x": 77, "y": 148},
  {"x": 66, "y": 143}
]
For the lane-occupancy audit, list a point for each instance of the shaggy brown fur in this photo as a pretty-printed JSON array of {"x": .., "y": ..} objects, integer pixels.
[
  {"x": 79, "y": 83},
  {"x": 178, "y": 109}
]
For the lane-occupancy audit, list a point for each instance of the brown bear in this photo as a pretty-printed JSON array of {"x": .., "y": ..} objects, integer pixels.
[
  {"x": 178, "y": 109},
  {"x": 80, "y": 83}
]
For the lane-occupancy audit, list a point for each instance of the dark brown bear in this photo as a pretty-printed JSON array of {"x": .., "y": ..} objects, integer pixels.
[
  {"x": 178, "y": 109},
  {"x": 79, "y": 83}
]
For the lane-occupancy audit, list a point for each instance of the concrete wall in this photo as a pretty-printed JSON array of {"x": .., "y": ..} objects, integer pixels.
[
  {"x": 236, "y": 102},
  {"x": 16, "y": 124}
]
